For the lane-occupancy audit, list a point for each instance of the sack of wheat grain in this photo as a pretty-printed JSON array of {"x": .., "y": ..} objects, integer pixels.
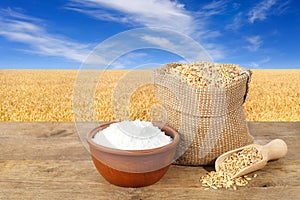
[{"x": 204, "y": 103}]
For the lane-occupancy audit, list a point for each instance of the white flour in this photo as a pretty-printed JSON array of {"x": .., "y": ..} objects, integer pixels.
[{"x": 132, "y": 135}]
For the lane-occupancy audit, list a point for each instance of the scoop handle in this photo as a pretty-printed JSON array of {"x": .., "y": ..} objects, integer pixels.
[{"x": 275, "y": 149}]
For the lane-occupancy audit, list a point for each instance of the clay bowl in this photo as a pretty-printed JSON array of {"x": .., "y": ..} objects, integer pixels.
[{"x": 133, "y": 168}]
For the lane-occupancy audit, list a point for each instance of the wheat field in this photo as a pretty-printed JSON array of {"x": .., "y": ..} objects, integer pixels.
[{"x": 47, "y": 95}]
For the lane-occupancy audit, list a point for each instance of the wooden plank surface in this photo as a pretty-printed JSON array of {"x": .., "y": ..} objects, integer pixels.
[{"x": 48, "y": 161}]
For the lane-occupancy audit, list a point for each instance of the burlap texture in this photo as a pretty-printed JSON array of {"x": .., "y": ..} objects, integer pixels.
[{"x": 210, "y": 120}]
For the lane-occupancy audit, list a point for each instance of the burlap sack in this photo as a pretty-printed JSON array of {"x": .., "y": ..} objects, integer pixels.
[{"x": 209, "y": 120}]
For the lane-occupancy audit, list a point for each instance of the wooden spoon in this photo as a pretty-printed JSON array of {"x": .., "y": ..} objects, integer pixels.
[{"x": 273, "y": 150}]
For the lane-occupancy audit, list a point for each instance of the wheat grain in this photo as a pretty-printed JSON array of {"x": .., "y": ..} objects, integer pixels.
[
  {"x": 202, "y": 74},
  {"x": 229, "y": 167}
]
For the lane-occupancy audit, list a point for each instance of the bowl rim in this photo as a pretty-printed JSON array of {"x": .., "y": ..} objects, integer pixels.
[{"x": 110, "y": 150}]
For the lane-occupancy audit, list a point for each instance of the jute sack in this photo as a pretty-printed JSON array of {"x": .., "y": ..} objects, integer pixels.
[{"x": 210, "y": 120}]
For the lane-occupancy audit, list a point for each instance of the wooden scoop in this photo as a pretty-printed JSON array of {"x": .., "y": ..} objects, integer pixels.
[{"x": 273, "y": 150}]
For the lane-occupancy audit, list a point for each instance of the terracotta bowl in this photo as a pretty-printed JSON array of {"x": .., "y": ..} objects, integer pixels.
[{"x": 133, "y": 168}]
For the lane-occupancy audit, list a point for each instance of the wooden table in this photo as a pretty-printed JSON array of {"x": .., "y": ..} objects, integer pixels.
[{"x": 48, "y": 161}]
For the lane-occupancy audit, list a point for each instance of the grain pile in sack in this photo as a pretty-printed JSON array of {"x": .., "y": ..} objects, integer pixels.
[{"x": 204, "y": 103}]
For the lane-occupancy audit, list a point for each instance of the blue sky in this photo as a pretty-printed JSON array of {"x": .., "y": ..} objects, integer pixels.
[{"x": 57, "y": 34}]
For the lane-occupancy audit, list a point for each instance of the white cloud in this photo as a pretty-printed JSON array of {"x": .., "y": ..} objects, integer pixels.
[
  {"x": 255, "y": 43},
  {"x": 179, "y": 45},
  {"x": 216, "y": 51},
  {"x": 149, "y": 13},
  {"x": 99, "y": 14},
  {"x": 205, "y": 35},
  {"x": 237, "y": 22},
  {"x": 169, "y": 14},
  {"x": 282, "y": 7},
  {"x": 254, "y": 65},
  {"x": 236, "y": 6},
  {"x": 260, "y": 11},
  {"x": 13, "y": 14},
  {"x": 129, "y": 60},
  {"x": 213, "y": 8},
  {"x": 25, "y": 29},
  {"x": 159, "y": 41},
  {"x": 214, "y": 5},
  {"x": 257, "y": 64},
  {"x": 163, "y": 14}
]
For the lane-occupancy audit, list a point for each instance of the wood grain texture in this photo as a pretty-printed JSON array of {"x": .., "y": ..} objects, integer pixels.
[{"x": 48, "y": 161}]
